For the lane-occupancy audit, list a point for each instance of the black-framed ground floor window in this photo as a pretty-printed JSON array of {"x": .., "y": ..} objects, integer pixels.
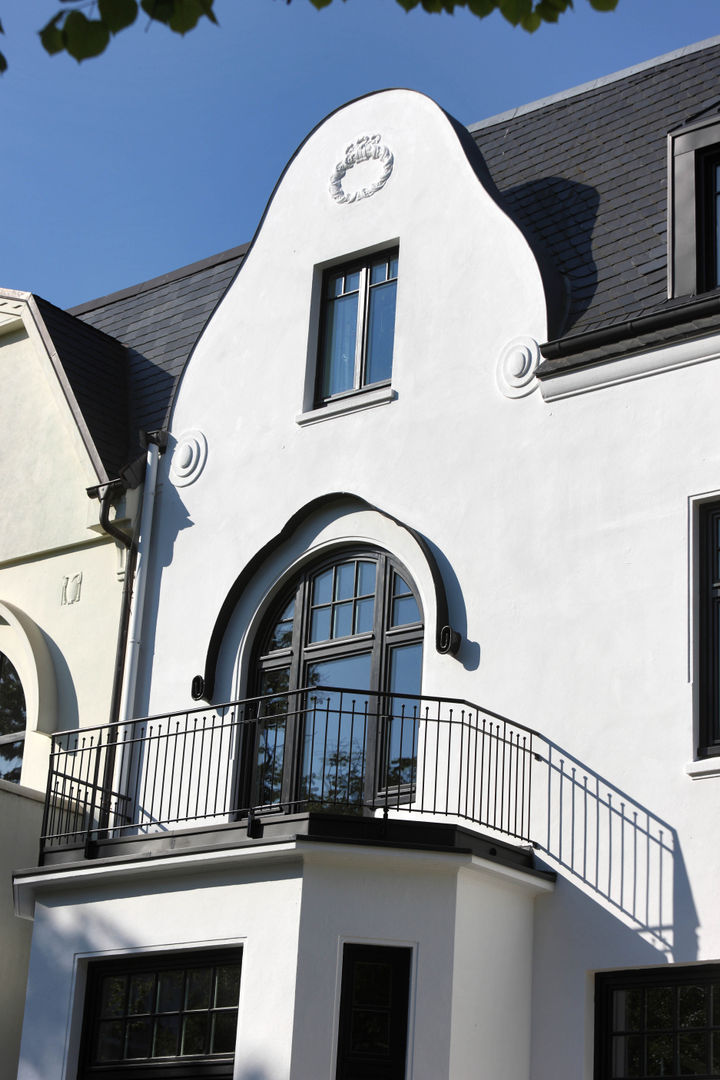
[
  {"x": 658, "y": 1022},
  {"x": 374, "y": 1001},
  {"x": 172, "y": 1016}
]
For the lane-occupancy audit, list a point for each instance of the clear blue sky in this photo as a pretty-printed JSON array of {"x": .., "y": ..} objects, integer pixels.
[{"x": 165, "y": 149}]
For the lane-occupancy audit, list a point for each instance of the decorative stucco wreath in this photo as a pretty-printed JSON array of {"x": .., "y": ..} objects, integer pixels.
[{"x": 365, "y": 148}]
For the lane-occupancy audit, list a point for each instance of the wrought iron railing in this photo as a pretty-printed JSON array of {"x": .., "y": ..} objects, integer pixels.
[{"x": 333, "y": 749}]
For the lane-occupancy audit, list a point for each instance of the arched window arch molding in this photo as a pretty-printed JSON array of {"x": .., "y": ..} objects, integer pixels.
[
  {"x": 22, "y": 641},
  {"x": 354, "y": 522}
]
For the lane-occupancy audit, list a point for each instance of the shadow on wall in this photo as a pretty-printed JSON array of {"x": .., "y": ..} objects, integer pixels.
[
  {"x": 562, "y": 214},
  {"x": 620, "y": 853}
]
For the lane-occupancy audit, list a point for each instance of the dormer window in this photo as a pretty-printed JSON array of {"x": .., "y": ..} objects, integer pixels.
[
  {"x": 357, "y": 326},
  {"x": 694, "y": 208}
]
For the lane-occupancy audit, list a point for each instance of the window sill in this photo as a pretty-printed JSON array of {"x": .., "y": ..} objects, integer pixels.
[
  {"x": 365, "y": 399},
  {"x": 703, "y": 768}
]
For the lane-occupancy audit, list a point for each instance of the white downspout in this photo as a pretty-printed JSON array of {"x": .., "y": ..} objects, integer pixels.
[{"x": 127, "y": 702}]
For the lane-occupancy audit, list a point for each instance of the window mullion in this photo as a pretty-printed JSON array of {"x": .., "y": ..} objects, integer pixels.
[{"x": 360, "y": 349}]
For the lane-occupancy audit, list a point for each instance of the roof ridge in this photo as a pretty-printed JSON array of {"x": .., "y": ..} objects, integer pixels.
[
  {"x": 604, "y": 80},
  {"x": 157, "y": 282}
]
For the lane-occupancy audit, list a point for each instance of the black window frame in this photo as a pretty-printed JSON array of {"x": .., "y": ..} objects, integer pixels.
[
  {"x": 379, "y": 642},
  {"x": 709, "y": 629},
  {"x": 178, "y": 1067},
  {"x": 358, "y": 1065},
  {"x": 692, "y": 235},
  {"x": 607, "y": 984},
  {"x": 361, "y": 385}
]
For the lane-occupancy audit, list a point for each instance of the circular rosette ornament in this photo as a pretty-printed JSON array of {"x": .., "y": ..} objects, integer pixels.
[
  {"x": 516, "y": 367},
  {"x": 374, "y": 163},
  {"x": 188, "y": 459}
]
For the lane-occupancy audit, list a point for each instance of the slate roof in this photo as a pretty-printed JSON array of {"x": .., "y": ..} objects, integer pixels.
[
  {"x": 584, "y": 172},
  {"x": 587, "y": 174},
  {"x": 158, "y": 322}
]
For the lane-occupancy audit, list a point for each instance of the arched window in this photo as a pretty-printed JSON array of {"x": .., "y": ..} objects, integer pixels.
[
  {"x": 13, "y": 721},
  {"x": 337, "y": 663}
]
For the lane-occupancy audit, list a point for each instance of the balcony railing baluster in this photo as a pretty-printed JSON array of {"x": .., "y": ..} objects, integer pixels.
[{"x": 350, "y": 756}]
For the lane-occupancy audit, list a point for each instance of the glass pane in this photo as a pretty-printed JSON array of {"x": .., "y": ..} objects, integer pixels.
[
  {"x": 366, "y": 578},
  {"x": 11, "y": 755},
  {"x": 109, "y": 1045},
  {"x": 659, "y": 1055},
  {"x": 659, "y": 1007},
  {"x": 138, "y": 1038},
  {"x": 271, "y": 729},
  {"x": 142, "y": 994},
  {"x": 334, "y": 285},
  {"x": 223, "y": 1033},
  {"x": 322, "y": 588},
  {"x": 335, "y": 730},
  {"x": 401, "y": 734},
  {"x": 372, "y": 984},
  {"x": 364, "y": 612},
  {"x": 338, "y": 368},
  {"x": 112, "y": 995},
  {"x": 320, "y": 624},
  {"x": 195, "y": 1033},
  {"x": 12, "y": 699},
  {"x": 345, "y": 581},
  {"x": 370, "y": 1032},
  {"x": 393, "y": 268},
  {"x": 197, "y": 994},
  {"x": 627, "y": 1056},
  {"x": 693, "y": 1053},
  {"x": 628, "y": 1010},
  {"x": 715, "y": 1053},
  {"x": 170, "y": 990},
  {"x": 342, "y": 620},
  {"x": 167, "y": 1031},
  {"x": 378, "y": 272},
  {"x": 352, "y": 281},
  {"x": 404, "y": 611},
  {"x": 716, "y": 1005},
  {"x": 380, "y": 332},
  {"x": 692, "y": 1007},
  {"x": 400, "y": 586},
  {"x": 281, "y": 637},
  {"x": 227, "y": 985}
]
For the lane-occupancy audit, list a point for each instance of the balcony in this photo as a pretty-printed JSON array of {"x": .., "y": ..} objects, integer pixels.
[{"x": 248, "y": 765}]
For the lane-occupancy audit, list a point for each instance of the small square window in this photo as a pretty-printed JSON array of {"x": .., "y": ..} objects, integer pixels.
[
  {"x": 357, "y": 326},
  {"x": 162, "y": 1016}
]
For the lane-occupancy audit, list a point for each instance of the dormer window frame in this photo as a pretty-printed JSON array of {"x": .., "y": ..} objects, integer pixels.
[{"x": 693, "y": 237}]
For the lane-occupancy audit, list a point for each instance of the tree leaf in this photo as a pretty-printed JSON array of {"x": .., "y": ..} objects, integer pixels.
[
  {"x": 185, "y": 16},
  {"x": 84, "y": 37},
  {"x": 408, "y": 5},
  {"x": 320, "y": 3},
  {"x": 515, "y": 10},
  {"x": 482, "y": 8},
  {"x": 51, "y": 37},
  {"x": 1, "y": 29},
  {"x": 604, "y": 5},
  {"x": 3, "y": 64},
  {"x": 117, "y": 14},
  {"x": 160, "y": 10},
  {"x": 207, "y": 6},
  {"x": 531, "y": 22}
]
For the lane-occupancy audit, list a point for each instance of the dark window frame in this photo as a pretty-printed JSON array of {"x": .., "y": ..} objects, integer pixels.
[
  {"x": 179, "y": 1067},
  {"x": 647, "y": 979},
  {"x": 358, "y": 1065},
  {"x": 709, "y": 629},
  {"x": 693, "y": 240},
  {"x": 361, "y": 385},
  {"x": 379, "y": 642}
]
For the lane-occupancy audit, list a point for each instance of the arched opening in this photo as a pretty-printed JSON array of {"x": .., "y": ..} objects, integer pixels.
[{"x": 337, "y": 667}]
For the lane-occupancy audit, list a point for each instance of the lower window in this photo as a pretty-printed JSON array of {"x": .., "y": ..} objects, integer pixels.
[
  {"x": 660, "y": 1022},
  {"x": 162, "y": 1016},
  {"x": 372, "y": 1040}
]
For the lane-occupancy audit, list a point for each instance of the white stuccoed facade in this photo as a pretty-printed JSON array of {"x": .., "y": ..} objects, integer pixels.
[{"x": 563, "y": 522}]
